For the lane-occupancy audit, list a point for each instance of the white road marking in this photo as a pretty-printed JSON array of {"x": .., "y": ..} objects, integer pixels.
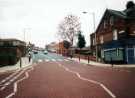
[
  {"x": 59, "y": 59},
  {"x": 53, "y": 60},
  {"x": 15, "y": 84},
  {"x": 13, "y": 79},
  {"x": 2, "y": 88},
  {"x": 89, "y": 80},
  {"x": 7, "y": 83},
  {"x": 107, "y": 90},
  {"x": 39, "y": 60},
  {"x": 10, "y": 76},
  {"x": 47, "y": 60},
  {"x": 66, "y": 60}
]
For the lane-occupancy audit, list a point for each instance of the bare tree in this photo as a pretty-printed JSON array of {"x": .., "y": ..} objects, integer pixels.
[{"x": 69, "y": 28}]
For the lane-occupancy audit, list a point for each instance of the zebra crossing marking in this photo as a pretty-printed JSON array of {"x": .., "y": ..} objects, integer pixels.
[
  {"x": 66, "y": 59},
  {"x": 53, "y": 60},
  {"x": 39, "y": 60},
  {"x": 59, "y": 59},
  {"x": 48, "y": 60}
]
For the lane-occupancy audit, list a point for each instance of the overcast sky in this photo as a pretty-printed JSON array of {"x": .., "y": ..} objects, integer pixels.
[{"x": 40, "y": 18}]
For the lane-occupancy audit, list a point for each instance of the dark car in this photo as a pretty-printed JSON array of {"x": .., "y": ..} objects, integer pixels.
[{"x": 35, "y": 52}]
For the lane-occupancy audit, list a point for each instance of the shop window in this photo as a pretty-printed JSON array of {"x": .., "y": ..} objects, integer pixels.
[
  {"x": 117, "y": 52},
  {"x": 115, "y": 55},
  {"x": 102, "y": 53}
]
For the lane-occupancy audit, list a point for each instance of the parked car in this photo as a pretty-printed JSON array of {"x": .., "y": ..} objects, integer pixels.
[{"x": 35, "y": 52}]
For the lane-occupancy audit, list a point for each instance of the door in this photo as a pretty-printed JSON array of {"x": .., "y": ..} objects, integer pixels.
[{"x": 131, "y": 55}]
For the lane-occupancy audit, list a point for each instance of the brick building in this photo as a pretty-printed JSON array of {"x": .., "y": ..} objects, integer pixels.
[
  {"x": 57, "y": 48},
  {"x": 115, "y": 37},
  {"x": 61, "y": 49},
  {"x": 52, "y": 47}
]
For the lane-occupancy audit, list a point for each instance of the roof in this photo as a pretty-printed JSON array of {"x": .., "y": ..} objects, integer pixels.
[
  {"x": 130, "y": 12},
  {"x": 120, "y": 14},
  {"x": 14, "y": 42},
  {"x": 126, "y": 14},
  {"x": 11, "y": 39}
]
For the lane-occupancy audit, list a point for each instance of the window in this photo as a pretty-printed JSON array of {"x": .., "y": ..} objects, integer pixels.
[
  {"x": 93, "y": 41},
  {"x": 1, "y": 43},
  {"x": 102, "y": 53},
  {"x": 111, "y": 20},
  {"x": 105, "y": 24},
  {"x": 115, "y": 36},
  {"x": 15, "y": 43},
  {"x": 101, "y": 39}
]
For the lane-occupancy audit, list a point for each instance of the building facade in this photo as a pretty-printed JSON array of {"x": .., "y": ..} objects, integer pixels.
[
  {"x": 61, "y": 49},
  {"x": 52, "y": 47},
  {"x": 115, "y": 37},
  {"x": 11, "y": 50},
  {"x": 57, "y": 48}
]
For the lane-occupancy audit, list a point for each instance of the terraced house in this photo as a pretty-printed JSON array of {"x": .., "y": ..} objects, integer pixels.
[{"x": 115, "y": 36}]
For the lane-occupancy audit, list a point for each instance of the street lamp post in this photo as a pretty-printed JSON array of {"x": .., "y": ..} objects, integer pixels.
[
  {"x": 93, "y": 16},
  {"x": 24, "y": 33}
]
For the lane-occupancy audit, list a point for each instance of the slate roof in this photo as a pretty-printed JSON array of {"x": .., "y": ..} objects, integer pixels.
[
  {"x": 117, "y": 13},
  {"x": 126, "y": 14}
]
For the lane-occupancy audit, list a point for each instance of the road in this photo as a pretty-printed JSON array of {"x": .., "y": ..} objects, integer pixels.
[{"x": 54, "y": 76}]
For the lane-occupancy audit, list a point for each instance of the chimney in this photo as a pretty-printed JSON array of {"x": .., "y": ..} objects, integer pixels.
[{"x": 130, "y": 4}]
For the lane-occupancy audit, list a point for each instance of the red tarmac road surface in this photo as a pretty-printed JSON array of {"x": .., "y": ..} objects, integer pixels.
[
  {"x": 120, "y": 82},
  {"x": 72, "y": 80}
]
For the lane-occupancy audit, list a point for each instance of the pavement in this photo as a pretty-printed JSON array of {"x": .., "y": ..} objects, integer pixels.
[
  {"x": 102, "y": 64},
  {"x": 25, "y": 63}
]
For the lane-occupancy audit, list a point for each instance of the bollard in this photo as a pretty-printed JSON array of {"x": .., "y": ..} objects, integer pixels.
[
  {"x": 20, "y": 62},
  {"x": 88, "y": 59},
  {"x": 111, "y": 62}
]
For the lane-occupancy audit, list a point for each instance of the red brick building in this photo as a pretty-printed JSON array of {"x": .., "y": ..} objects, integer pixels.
[
  {"x": 61, "y": 49},
  {"x": 115, "y": 36},
  {"x": 57, "y": 48}
]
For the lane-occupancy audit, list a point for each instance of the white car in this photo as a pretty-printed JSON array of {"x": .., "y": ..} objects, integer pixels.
[{"x": 45, "y": 52}]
